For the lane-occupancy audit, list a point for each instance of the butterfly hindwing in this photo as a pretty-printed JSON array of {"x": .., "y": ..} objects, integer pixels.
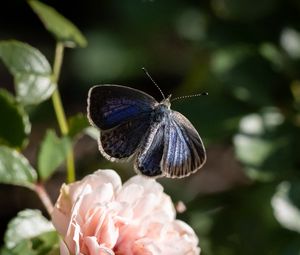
[
  {"x": 148, "y": 160},
  {"x": 122, "y": 141},
  {"x": 184, "y": 152},
  {"x": 111, "y": 105},
  {"x": 171, "y": 148}
]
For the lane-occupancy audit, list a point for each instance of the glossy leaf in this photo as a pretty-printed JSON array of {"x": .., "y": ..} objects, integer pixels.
[
  {"x": 286, "y": 205},
  {"x": 246, "y": 74},
  {"x": 52, "y": 154},
  {"x": 62, "y": 29},
  {"x": 15, "y": 168},
  {"x": 31, "y": 71},
  {"x": 239, "y": 221},
  {"x": 23, "y": 247},
  {"x": 44, "y": 244},
  {"x": 41, "y": 245},
  {"x": 30, "y": 233},
  {"x": 261, "y": 148},
  {"x": 13, "y": 115},
  {"x": 290, "y": 39},
  {"x": 77, "y": 124}
]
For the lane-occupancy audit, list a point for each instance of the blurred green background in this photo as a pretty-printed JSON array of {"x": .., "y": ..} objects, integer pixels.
[{"x": 244, "y": 53}]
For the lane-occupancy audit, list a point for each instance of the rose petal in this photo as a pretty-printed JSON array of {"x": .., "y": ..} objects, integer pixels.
[
  {"x": 63, "y": 248},
  {"x": 130, "y": 194},
  {"x": 149, "y": 185},
  {"x": 109, "y": 233},
  {"x": 104, "y": 176},
  {"x": 94, "y": 248}
]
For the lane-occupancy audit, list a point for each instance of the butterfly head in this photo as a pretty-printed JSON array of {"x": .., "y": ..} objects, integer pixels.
[{"x": 166, "y": 102}]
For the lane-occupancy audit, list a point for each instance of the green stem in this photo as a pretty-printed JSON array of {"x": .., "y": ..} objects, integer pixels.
[
  {"x": 60, "y": 114},
  {"x": 59, "y": 109},
  {"x": 71, "y": 167}
]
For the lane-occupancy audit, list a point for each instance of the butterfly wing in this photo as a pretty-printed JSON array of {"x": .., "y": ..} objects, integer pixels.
[
  {"x": 111, "y": 105},
  {"x": 123, "y": 116},
  {"x": 184, "y": 152},
  {"x": 148, "y": 160},
  {"x": 122, "y": 141}
]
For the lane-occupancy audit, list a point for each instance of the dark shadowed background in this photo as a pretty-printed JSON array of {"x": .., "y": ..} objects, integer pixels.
[{"x": 244, "y": 53}]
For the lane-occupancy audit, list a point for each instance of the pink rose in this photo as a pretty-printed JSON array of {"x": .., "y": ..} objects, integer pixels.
[{"x": 98, "y": 215}]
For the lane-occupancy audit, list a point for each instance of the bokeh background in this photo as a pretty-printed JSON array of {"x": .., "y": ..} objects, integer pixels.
[{"x": 244, "y": 53}]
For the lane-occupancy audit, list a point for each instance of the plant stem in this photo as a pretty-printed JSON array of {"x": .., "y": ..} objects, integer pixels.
[
  {"x": 43, "y": 195},
  {"x": 59, "y": 109},
  {"x": 71, "y": 167}
]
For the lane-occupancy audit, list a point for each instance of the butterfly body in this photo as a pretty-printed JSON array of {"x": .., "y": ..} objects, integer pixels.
[
  {"x": 133, "y": 124},
  {"x": 160, "y": 112}
]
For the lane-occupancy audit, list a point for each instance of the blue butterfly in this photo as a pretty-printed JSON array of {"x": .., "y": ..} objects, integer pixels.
[{"x": 134, "y": 125}]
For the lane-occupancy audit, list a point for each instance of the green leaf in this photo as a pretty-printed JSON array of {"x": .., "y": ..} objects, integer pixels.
[
  {"x": 62, "y": 29},
  {"x": 244, "y": 216},
  {"x": 31, "y": 70},
  {"x": 247, "y": 74},
  {"x": 13, "y": 115},
  {"x": 23, "y": 247},
  {"x": 15, "y": 168},
  {"x": 253, "y": 152},
  {"x": 30, "y": 233},
  {"x": 286, "y": 205},
  {"x": 28, "y": 224},
  {"x": 262, "y": 146},
  {"x": 52, "y": 154},
  {"x": 44, "y": 244},
  {"x": 77, "y": 124}
]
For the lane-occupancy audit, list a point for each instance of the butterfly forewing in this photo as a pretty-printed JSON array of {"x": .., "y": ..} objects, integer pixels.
[
  {"x": 184, "y": 152},
  {"x": 111, "y": 105},
  {"x": 122, "y": 115}
]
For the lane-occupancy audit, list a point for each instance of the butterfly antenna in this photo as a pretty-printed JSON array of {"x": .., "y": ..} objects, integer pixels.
[
  {"x": 146, "y": 72},
  {"x": 189, "y": 96}
]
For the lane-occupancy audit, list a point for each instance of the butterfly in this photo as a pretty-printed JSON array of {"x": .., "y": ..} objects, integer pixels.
[{"x": 132, "y": 124}]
